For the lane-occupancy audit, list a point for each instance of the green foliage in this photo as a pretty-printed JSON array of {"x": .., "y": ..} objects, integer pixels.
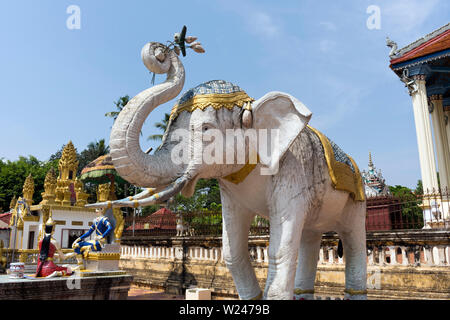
[
  {"x": 410, "y": 204},
  {"x": 203, "y": 211},
  {"x": 120, "y": 104},
  {"x": 93, "y": 151},
  {"x": 206, "y": 197},
  {"x": 162, "y": 126},
  {"x": 14, "y": 173},
  {"x": 419, "y": 187}
]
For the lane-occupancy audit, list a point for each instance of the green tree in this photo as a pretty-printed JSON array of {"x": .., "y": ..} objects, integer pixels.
[
  {"x": 93, "y": 150},
  {"x": 120, "y": 104},
  {"x": 411, "y": 212},
  {"x": 419, "y": 187},
  {"x": 14, "y": 173},
  {"x": 206, "y": 197},
  {"x": 162, "y": 126}
]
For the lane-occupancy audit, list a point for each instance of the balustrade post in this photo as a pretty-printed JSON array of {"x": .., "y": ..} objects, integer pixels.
[
  {"x": 370, "y": 259},
  {"x": 331, "y": 256},
  {"x": 258, "y": 254},
  {"x": 435, "y": 253},
  {"x": 321, "y": 255},
  {"x": 447, "y": 255},
  {"x": 441, "y": 253},
  {"x": 405, "y": 260},
  {"x": 393, "y": 255}
]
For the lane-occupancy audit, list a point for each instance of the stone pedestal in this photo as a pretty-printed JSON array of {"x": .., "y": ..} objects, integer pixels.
[
  {"x": 105, "y": 260},
  {"x": 89, "y": 286}
]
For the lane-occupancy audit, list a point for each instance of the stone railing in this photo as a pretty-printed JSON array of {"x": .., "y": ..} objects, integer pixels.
[
  {"x": 389, "y": 254},
  {"x": 30, "y": 256},
  {"x": 403, "y": 264}
]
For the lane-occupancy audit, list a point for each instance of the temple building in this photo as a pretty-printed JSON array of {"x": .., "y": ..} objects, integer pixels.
[
  {"x": 374, "y": 182},
  {"x": 424, "y": 67},
  {"x": 63, "y": 200}
]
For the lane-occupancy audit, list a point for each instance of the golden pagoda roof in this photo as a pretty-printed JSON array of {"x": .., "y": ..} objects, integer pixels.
[{"x": 68, "y": 157}]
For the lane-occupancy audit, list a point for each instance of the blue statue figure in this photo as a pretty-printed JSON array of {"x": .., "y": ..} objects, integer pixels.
[{"x": 102, "y": 228}]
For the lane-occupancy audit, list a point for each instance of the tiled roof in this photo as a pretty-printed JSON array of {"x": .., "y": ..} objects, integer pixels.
[
  {"x": 5, "y": 217},
  {"x": 438, "y": 40},
  {"x": 3, "y": 225},
  {"x": 163, "y": 219}
]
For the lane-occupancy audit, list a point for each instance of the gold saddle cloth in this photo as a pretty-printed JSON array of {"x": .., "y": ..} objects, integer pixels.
[{"x": 341, "y": 173}]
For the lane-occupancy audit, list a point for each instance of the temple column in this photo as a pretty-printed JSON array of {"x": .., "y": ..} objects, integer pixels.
[
  {"x": 441, "y": 141},
  {"x": 424, "y": 136},
  {"x": 447, "y": 123}
]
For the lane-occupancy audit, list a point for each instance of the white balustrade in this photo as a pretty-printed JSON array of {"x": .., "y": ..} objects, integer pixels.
[{"x": 438, "y": 255}]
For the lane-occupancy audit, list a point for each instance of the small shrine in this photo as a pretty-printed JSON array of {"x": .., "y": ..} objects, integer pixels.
[
  {"x": 63, "y": 200},
  {"x": 374, "y": 182}
]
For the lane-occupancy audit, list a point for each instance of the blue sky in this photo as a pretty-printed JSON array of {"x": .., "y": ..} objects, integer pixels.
[{"x": 56, "y": 84}]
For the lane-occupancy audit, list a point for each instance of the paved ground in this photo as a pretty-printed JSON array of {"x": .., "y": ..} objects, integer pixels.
[{"x": 138, "y": 293}]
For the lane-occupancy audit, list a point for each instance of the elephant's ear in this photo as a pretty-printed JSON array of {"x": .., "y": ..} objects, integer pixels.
[{"x": 281, "y": 112}]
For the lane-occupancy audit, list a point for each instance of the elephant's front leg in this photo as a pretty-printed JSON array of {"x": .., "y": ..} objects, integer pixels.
[
  {"x": 286, "y": 224},
  {"x": 236, "y": 225}
]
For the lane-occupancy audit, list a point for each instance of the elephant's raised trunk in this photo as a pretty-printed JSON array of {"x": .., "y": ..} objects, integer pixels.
[{"x": 128, "y": 158}]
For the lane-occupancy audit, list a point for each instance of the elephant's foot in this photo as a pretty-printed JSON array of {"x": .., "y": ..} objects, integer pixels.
[
  {"x": 301, "y": 294},
  {"x": 258, "y": 297},
  {"x": 351, "y": 294}
]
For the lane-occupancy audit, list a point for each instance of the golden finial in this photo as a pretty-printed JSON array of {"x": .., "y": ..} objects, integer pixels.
[
  {"x": 13, "y": 202},
  {"x": 50, "y": 222},
  {"x": 103, "y": 192},
  {"x": 50, "y": 182},
  {"x": 28, "y": 189},
  {"x": 68, "y": 164}
]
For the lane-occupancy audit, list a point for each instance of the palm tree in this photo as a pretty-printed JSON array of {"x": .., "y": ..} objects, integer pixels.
[
  {"x": 162, "y": 126},
  {"x": 120, "y": 104},
  {"x": 93, "y": 150}
]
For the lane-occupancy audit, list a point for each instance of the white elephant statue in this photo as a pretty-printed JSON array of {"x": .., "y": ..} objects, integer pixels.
[{"x": 316, "y": 189}]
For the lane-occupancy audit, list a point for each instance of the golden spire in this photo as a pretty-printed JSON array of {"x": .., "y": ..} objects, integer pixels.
[
  {"x": 50, "y": 182},
  {"x": 370, "y": 160},
  {"x": 13, "y": 202},
  {"x": 48, "y": 196},
  {"x": 28, "y": 189},
  {"x": 68, "y": 164}
]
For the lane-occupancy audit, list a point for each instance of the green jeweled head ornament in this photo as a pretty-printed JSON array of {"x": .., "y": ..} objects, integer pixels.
[{"x": 216, "y": 93}]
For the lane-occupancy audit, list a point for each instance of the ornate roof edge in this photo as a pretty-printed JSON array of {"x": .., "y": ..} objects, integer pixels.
[
  {"x": 420, "y": 60},
  {"x": 420, "y": 41}
]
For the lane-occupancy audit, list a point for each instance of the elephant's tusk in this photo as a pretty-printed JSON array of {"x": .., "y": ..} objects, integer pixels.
[
  {"x": 144, "y": 194},
  {"x": 133, "y": 203}
]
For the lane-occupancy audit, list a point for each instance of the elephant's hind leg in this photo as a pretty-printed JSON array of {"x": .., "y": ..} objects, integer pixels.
[
  {"x": 353, "y": 237},
  {"x": 305, "y": 275}
]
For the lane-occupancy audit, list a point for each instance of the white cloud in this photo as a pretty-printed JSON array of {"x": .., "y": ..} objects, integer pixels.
[
  {"x": 344, "y": 97},
  {"x": 262, "y": 24},
  {"x": 330, "y": 26},
  {"x": 405, "y": 16},
  {"x": 326, "y": 45}
]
